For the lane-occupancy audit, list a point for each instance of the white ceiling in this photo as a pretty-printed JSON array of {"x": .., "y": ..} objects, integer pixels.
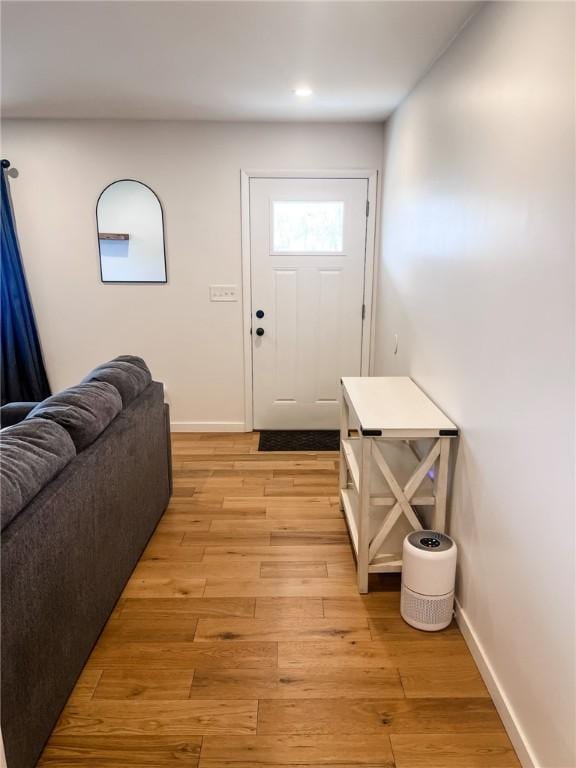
[{"x": 158, "y": 59}]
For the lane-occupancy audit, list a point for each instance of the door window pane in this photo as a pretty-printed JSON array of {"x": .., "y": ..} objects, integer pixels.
[{"x": 308, "y": 227}]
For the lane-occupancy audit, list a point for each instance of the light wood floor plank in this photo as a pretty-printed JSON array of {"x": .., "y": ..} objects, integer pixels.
[
  {"x": 183, "y": 523},
  {"x": 183, "y": 655},
  {"x": 224, "y": 483},
  {"x": 268, "y": 474},
  {"x": 293, "y": 569},
  {"x": 278, "y": 526},
  {"x": 454, "y": 751},
  {"x": 184, "y": 571},
  {"x": 295, "y": 683},
  {"x": 373, "y": 605},
  {"x": 342, "y": 570},
  {"x": 295, "y": 491},
  {"x": 320, "y": 511},
  {"x": 243, "y": 764},
  {"x": 297, "y": 750},
  {"x": 242, "y": 506},
  {"x": 327, "y": 553},
  {"x": 276, "y": 629},
  {"x": 164, "y": 587},
  {"x": 149, "y": 684},
  {"x": 451, "y": 678},
  {"x": 164, "y": 718},
  {"x": 173, "y": 553},
  {"x": 179, "y": 470},
  {"x": 302, "y": 473},
  {"x": 395, "y": 628},
  {"x": 302, "y": 538},
  {"x": 424, "y": 651},
  {"x": 355, "y": 715},
  {"x": 279, "y": 588},
  {"x": 198, "y": 511},
  {"x": 346, "y": 654},
  {"x": 126, "y": 751},
  {"x": 209, "y": 463},
  {"x": 193, "y": 497},
  {"x": 157, "y": 627},
  {"x": 220, "y": 539},
  {"x": 286, "y": 464},
  {"x": 303, "y": 497},
  {"x": 288, "y": 607},
  {"x": 316, "y": 479},
  {"x": 216, "y": 606},
  {"x": 166, "y": 538}
]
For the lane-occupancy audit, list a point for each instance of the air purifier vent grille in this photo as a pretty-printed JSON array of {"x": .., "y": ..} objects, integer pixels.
[{"x": 426, "y": 611}]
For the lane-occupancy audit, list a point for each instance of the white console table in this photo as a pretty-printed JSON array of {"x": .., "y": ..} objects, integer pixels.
[{"x": 394, "y": 457}]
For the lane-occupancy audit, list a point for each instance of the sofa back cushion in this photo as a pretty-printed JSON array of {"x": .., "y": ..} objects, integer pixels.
[
  {"x": 134, "y": 360},
  {"x": 31, "y": 454},
  {"x": 84, "y": 410},
  {"x": 130, "y": 376}
]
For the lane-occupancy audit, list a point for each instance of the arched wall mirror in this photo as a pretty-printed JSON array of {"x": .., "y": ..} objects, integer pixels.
[{"x": 130, "y": 234}]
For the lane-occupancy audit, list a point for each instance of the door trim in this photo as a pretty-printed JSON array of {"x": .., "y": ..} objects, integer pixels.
[{"x": 369, "y": 267}]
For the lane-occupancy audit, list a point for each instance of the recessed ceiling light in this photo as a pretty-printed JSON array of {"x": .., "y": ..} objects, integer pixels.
[{"x": 303, "y": 91}]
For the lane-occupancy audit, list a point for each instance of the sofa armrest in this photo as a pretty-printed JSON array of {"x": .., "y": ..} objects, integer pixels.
[{"x": 13, "y": 413}]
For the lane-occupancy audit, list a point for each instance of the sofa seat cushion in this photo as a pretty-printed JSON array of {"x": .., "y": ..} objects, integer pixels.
[
  {"x": 84, "y": 410},
  {"x": 130, "y": 376},
  {"x": 31, "y": 454}
]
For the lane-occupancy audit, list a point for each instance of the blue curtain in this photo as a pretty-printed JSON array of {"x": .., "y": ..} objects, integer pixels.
[{"x": 22, "y": 368}]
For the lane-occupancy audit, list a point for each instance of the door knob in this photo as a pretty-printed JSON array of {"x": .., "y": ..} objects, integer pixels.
[
  {"x": 259, "y": 313},
  {"x": 259, "y": 331}
]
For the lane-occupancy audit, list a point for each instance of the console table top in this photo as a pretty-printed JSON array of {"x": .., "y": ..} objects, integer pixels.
[{"x": 391, "y": 403}]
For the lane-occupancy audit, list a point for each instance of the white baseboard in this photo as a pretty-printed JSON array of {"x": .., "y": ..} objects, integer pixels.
[
  {"x": 207, "y": 426},
  {"x": 505, "y": 710}
]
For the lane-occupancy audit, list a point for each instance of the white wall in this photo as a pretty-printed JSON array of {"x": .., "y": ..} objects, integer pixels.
[
  {"x": 477, "y": 280},
  {"x": 193, "y": 345}
]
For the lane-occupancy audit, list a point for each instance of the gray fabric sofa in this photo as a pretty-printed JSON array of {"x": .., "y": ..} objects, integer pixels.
[{"x": 69, "y": 546}]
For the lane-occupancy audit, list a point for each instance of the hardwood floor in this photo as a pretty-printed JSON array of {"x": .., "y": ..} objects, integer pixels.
[{"x": 241, "y": 640}]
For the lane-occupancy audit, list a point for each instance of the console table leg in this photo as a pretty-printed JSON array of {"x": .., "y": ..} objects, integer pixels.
[
  {"x": 364, "y": 514},
  {"x": 344, "y": 428},
  {"x": 441, "y": 491}
]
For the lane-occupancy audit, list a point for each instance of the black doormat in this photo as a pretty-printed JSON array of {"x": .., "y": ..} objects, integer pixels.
[{"x": 299, "y": 440}]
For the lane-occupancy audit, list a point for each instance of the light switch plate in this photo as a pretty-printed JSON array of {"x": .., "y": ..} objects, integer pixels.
[{"x": 223, "y": 293}]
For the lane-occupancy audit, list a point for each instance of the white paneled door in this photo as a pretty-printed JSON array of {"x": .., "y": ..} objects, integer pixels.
[{"x": 308, "y": 251}]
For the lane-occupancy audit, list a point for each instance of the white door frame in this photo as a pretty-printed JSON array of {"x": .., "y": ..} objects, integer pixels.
[{"x": 245, "y": 175}]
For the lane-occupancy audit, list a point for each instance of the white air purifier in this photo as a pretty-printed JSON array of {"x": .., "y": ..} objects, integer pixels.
[{"x": 428, "y": 576}]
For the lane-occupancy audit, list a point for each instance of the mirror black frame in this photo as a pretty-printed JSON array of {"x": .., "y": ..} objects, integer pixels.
[{"x": 132, "y": 282}]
